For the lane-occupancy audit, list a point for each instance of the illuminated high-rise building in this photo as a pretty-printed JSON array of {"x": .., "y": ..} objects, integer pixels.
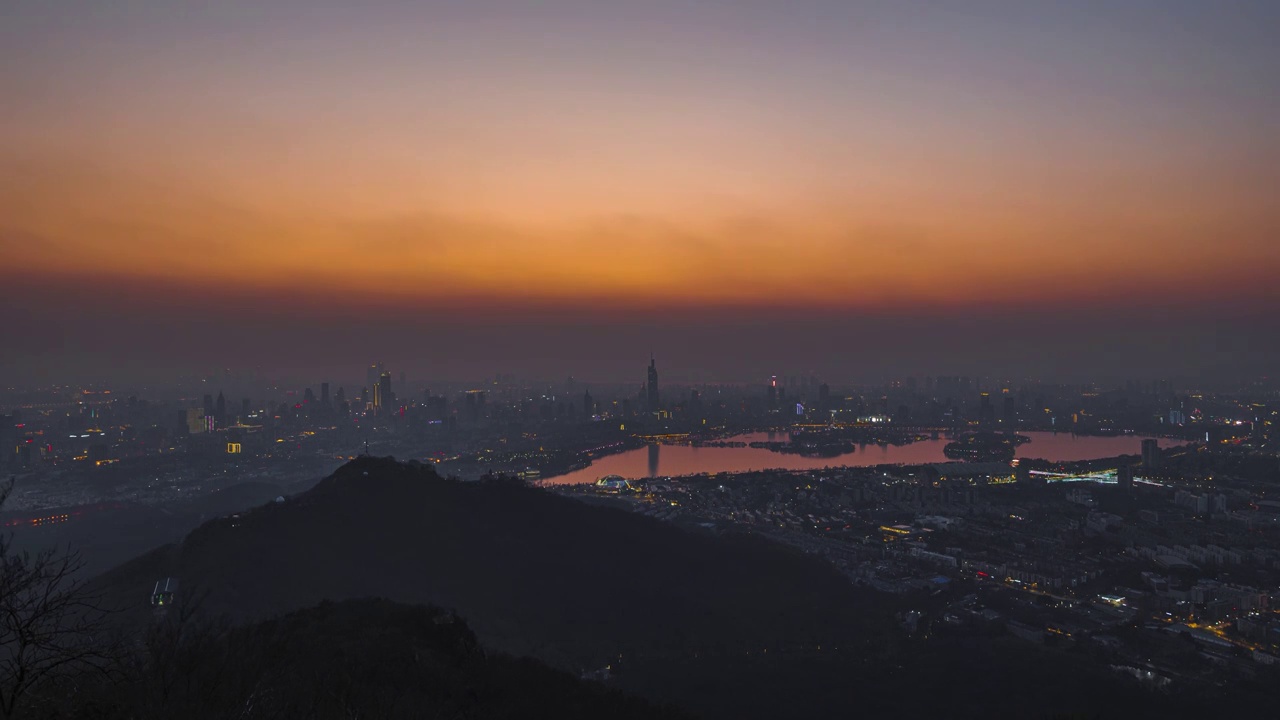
[
  {"x": 371, "y": 374},
  {"x": 197, "y": 421},
  {"x": 382, "y": 396}
]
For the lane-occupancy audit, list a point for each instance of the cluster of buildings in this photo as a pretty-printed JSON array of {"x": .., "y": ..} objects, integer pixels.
[{"x": 1120, "y": 555}]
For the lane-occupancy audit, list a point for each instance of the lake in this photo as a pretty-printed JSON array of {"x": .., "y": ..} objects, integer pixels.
[{"x": 672, "y": 460}]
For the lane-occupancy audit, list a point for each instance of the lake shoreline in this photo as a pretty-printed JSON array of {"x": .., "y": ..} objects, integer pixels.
[{"x": 680, "y": 459}]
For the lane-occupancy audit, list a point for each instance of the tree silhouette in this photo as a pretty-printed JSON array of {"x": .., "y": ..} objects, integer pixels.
[{"x": 51, "y": 626}]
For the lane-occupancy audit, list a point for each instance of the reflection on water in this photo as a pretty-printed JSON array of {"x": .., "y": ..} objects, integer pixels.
[{"x": 673, "y": 460}]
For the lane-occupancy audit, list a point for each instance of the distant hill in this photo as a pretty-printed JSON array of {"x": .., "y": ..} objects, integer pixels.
[
  {"x": 533, "y": 572},
  {"x": 724, "y": 625}
]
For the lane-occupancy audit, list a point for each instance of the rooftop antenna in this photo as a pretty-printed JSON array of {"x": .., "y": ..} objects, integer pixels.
[{"x": 366, "y": 447}]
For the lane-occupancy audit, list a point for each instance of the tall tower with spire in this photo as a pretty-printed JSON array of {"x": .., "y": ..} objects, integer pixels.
[{"x": 651, "y": 387}]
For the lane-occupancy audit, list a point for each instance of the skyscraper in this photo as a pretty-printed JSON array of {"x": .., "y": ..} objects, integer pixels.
[
  {"x": 383, "y": 397},
  {"x": 1124, "y": 478},
  {"x": 651, "y": 387},
  {"x": 220, "y": 410},
  {"x": 1150, "y": 453}
]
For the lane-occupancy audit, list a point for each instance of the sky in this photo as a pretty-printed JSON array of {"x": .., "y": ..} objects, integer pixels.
[{"x": 852, "y": 188}]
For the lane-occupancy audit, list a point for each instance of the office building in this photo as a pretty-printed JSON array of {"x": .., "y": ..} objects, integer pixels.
[
  {"x": 651, "y": 387},
  {"x": 383, "y": 398},
  {"x": 1150, "y": 453},
  {"x": 1124, "y": 478}
]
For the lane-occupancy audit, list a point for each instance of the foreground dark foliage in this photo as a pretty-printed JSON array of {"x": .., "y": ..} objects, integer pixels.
[{"x": 355, "y": 659}]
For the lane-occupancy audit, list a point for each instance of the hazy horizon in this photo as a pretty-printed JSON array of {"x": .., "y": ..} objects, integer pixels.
[{"x": 862, "y": 189}]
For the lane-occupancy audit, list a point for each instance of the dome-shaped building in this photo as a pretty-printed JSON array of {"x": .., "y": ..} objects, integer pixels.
[{"x": 614, "y": 482}]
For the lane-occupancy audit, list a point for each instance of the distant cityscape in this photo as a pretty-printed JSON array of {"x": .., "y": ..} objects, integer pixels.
[{"x": 1178, "y": 532}]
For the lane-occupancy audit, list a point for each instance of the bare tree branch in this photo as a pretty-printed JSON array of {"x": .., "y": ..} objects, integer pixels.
[{"x": 50, "y": 624}]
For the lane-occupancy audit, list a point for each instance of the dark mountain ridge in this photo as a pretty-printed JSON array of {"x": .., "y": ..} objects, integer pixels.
[
  {"x": 533, "y": 572},
  {"x": 723, "y": 625}
]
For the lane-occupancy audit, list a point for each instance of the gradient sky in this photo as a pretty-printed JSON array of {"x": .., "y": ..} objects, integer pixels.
[{"x": 559, "y": 186}]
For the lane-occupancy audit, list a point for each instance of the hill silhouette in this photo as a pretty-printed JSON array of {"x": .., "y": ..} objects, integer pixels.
[
  {"x": 723, "y": 625},
  {"x": 533, "y": 572}
]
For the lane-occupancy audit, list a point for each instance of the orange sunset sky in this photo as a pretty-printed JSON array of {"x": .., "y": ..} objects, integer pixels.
[{"x": 843, "y": 157}]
